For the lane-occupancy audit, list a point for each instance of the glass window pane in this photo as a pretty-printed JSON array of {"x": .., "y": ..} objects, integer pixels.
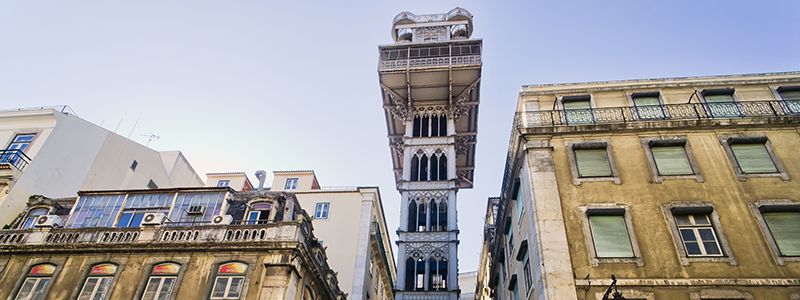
[
  {"x": 692, "y": 248},
  {"x": 785, "y": 229},
  {"x": 219, "y": 287},
  {"x": 645, "y": 101},
  {"x": 88, "y": 288},
  {"x": 166, "y": 288},
  {"x": 26, "y": 289},
  {"x": 688, "y": 235},
  {"x": 718, "y": 98},
  {"x": 671, "y": 160},
  {"x": 682, "y": 219},
  {"x": 235, "y": 288},
  {"x": 592, "y": 163},
  {"x": 610, "y": 236},
  {"x": 39, "y": 288},
  {"x": 711, "y": 248},
  {"x": 753, "y": 158},
  {"x": 706, "y": 234},
  {"x": 701, "y": 219},
  {"x": 151, "y": 289}
]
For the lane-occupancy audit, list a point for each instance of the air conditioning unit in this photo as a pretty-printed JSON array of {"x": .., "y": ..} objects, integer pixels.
[
  {"x": 222, "y": 220},
  {"x": 196, "y": 210},
  {"x": 154, "y": 218},
  {"x": 48, "y": 221}
]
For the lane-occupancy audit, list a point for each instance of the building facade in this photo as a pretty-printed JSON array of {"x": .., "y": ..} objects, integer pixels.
[
  {"x": 684, "y": 188},
  {"x": 430, "y": 83},
  {"x": 362, "y": 258},
  {"x": 52, "y": 152},
  {"x": 187, "y": 243}
]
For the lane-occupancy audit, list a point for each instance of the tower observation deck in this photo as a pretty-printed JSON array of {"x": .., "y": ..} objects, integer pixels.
[{"x": 430, "y": 83}]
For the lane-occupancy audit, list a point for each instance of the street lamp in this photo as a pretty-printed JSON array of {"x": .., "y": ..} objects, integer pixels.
[{"x": 617, "y": 295}]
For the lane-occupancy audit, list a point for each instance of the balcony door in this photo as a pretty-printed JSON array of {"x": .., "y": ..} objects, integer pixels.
[
  {"x": 16, "y": 148},
  {"x": 721, "y": 104},
  {"x": 578, "y": 110}
]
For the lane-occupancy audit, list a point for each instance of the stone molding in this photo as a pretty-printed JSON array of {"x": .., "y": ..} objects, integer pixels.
[{"x": 691, "y": 282}]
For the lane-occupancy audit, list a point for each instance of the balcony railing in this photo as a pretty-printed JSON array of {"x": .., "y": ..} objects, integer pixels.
[
  {"x": 455, "y": 61},
  {"x": 687, "y": 111},
  {"x": 14, "y": 158}
]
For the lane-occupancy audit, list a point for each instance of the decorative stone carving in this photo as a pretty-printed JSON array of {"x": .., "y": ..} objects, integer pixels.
[
  {"x": 430, "y": 110},
  {"x": 427, "y": 250},
  {"x": 427, "y": 194},
  {"x": 399, "y": 108},
  {"x": 464, "y": 143},
  {"x": 397, "y": 145}
]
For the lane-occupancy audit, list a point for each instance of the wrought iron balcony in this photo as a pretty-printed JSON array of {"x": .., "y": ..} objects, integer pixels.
[
  {"x": 13, "y": 158},
  {"x": 686, "y": 111},
  {"x": 455, "y": 55}
]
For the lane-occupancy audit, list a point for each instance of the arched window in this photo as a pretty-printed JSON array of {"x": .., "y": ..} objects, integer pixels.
[
  {"x": 415, "y": 168},
  {"x": 423, "y": 168},
  {"x": 98, "y": 283},
  {"x": 422, "y": 218},
  {"x": 34, "y": 214},
  {"x": 229, "y": 281},
  {"x": 435, "y": 167},
  {"x": 258, "y": 213},
  {"x": 442, "y": 167},
  {"x": 438, "y": 271},
  {"x": 412, "y": 216},
  {"x": 35, "y": 285},
  {"x": 161, "y": 282},
  {"x": 438, "y": 215},
  {"x": 429, "y": 126},
  {"x": 415, "y": 274}
]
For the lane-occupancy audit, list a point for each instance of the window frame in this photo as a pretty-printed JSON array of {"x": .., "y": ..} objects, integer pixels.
[
  {"x": 728, "y": 140},
  {"x": 326, "y": 209},
  {"x": 22, "y": 279},
  {"x": 87, "y": 275},
  {"x": 586, "y": 211},
  {"x": 14, "y": 135},
  {"x": 574, "y": 98},
  {"x": 245, "y": 281},
  {"x": 757, "y": 209},
  {"x": 778, "y": 91},
  {"x": 28, "y": 216},
  {"x": 152, "y": 263},
  {"x": 669, "y": 210},
  {"x": 294, "y": 180},
  {"x": 591, "y": 144},
  {"x": 720, "y": 91},
  {"x": 721, "y": 294},
  {"x": 649, "y": 142},
  {"x": 223, "y": 183}
]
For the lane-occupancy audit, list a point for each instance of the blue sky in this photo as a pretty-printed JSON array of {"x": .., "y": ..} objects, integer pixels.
[{"x": 248, "y": 85}]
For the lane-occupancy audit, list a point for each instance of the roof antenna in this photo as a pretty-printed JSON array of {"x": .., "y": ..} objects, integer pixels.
[
  {"x": 262, "y": 177},
  {"x": 151, "y": 137}
]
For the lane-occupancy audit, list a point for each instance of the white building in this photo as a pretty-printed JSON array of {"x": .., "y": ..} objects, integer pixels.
[
  {"x": 50, "y": 151},
  {"x": 349, "y": 221}
]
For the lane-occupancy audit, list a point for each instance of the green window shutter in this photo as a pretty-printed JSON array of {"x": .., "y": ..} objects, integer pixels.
[
  {"x": 671, "y": 160},
  {"x": 785, "y": 229},
  {"x": 592, "y": 163},
  {"x": 610, "y": 236},
  {"x": 718, "y": 98},
  {"x": 645, "y": 101},
  {"x": 577, "y": 104},
  {"x": 753, "y": 158},
  {"x": 790, "y": 95}
]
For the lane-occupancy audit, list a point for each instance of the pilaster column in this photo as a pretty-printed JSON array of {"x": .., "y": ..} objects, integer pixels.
[
  {"x": 452, "y": 267},
  {"x": 452, "y": 210},
  {"x": 403, "y": 211},
  {"x": 451, "y": 161},
  {"x": 400, "y": 282}
]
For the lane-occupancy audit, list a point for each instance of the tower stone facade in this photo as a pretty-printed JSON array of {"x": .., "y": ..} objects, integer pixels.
[{"x": 430, "y": 82}]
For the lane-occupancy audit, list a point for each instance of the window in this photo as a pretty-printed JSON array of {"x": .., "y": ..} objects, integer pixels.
[
  {"x": 17, "y": 147},
  {"x": 36, "y": 283},
  {"x": 648, "y": 106},
  {"x": 134, "y": 164},
  {"x": 321, "y": 211},
  {"x": 720, "y": 103},
  {"x": 415, "y": 274},
  {"x": 259, "y": 213},
  {"x": 223, "y": 183},
  {"x": 229, "y": 281},
  {"x": 698, "y": 235},
  {"x": 438, "y": 271},
  {"x": 429, "y": 126},
  {"x": 510, "y": 243},
  {"x": 791, "y": 98},
  {"x": 34, "y": 214},
  {"x": 152, "y": 185},
  {"x": 98, "y": 285},
  {"x": 96, "y": 211},
  {"x": 752, "y": 157},
  {"x": 526, "y": 268},
  {"x": 138, "y": 205},
  {"x": 578, "y": 110},
  {"x": 610, "y": 234},
  {"x": 514, "y": 287},
  {"x": 212, "y": 201},
  {"x": 784, "y": 226},
  {"x": 161, "y": 282},
  {"x": 291, "y": 184},
  {"x": 593, "y": 162},
  {"x": 425, "y": 167},
  {"x": 438, "y": 215},
  {"x": 671, "y": 159}
]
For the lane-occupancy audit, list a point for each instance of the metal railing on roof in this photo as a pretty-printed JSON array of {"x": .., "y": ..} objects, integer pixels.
[{"x": 686, "y": 111}]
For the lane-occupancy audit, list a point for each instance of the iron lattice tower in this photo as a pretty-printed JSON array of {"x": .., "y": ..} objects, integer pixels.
[{"x": 430, "y": 83}]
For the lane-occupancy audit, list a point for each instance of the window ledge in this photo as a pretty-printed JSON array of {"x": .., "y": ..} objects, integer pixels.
[
  {"x": 687, "y": 260},
  {"x": 579, "y": 180},
  {"x": 662, "y": 178},
  {"x": 617, "y": 260},
  {"x": 744, "y": 176}
]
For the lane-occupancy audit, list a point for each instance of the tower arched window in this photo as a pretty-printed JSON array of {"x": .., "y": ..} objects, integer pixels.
[
  {"x": 428, "y": 168},
  {"x": 429, "y": 125},
  {"x": 438, "y": 274},
  {"x": 412, "y": 216},
  {"x": 442, "y": 167},
  {"x": 438, "y": 215},
  {"x": 415, "y": 274}
]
